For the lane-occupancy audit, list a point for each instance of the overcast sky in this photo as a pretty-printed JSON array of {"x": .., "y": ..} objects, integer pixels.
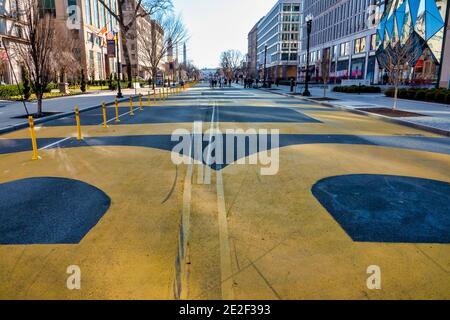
[{"x": 219, "y": 25}]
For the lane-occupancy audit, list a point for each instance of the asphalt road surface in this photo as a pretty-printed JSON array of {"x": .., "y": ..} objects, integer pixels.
[{"x": 166, "y": 204}]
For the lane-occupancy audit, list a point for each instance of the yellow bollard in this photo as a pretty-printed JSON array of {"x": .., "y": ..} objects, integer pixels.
[
  {"x": 104, "y": 115},
  {"x": 154, "y": 96},
  {"x": 131, "y": 107},
  {"x": 160, "y": 96},
  {"x": 77, "y": 119},
  {"x": 117, "y": 111},
  {"x": 33, "y": 138},
  {"x": 140, "y": 102},
  {"x": 149, "y": 99}
]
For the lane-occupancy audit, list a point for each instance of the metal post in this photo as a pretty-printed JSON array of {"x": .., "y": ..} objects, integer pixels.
[
  {"x": 33, "y": 138},
  {"x": 265, "y": 66},
  {"x": 119, "y": 87},
  {"x": 131, "y": 107},
  {"x": 77, "y": 119},
  {"x": 306, "y": 93},
  {"x": 104, "y": 115},
  {"x": 117, "y": 111}
]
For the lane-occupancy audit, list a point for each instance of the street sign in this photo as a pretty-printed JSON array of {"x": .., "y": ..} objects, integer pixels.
[{"x": 111, "y": 49}]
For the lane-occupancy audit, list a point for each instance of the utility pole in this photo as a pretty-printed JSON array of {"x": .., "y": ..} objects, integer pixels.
[
  {"x": 309, "y": 19},
  {"x": 119, "y": 87},
  {"x": 265, "y": 66}
]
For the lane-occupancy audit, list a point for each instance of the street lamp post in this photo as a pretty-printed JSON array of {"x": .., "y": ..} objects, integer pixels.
[
  {"x": 265, "y": 66},
  {"x": 309, "y": 19},
  {"x": 119, "y": 88}
]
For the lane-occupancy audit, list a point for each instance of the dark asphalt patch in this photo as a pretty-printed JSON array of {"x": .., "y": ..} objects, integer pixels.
[
  {"x": 168, "y": 114},
  {"x": 49, "y": 210},
  {"x": 163, "y": 142},
  {"x": 382, "y": 208}
]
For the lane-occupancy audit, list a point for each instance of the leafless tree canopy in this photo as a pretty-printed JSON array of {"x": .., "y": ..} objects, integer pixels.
[
  {"x": 37, "y": 55},
  {"x": 127, "y": 14},
  {"x": 65, "y": 62},
  {"x": 231, "y": 61},
  {"x": 397, "y": 58},
  {"x": 325, "y": 69},
  {"x": 166, "y": 32}
]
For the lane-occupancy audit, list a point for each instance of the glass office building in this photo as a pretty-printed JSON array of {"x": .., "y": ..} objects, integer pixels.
[
  {"x": 417, "y": 28},
  {"x": 279, "y": 31},
  {"x": 344, "y": 33}
]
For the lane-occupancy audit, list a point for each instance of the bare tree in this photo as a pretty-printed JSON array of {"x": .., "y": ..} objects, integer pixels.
[
  {"x": 325, "y": 70},
  {"x": 65, "y": 61},
  {"x": 2, "y": 69},
  {"x": 128, "y": 12},
  {"x": 166, "y": 32},
  {"x": 36, "y": 55},
  {"x": 397, "y": 58},
  {"x": 231, "y": 61}
]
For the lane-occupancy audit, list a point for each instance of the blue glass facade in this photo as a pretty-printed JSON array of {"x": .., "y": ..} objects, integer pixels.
[{"x": 413, "y": 24}]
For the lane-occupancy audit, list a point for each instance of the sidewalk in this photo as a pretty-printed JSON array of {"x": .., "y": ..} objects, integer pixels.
[
  {"x": 436, "y": 119},
  {"x": 9, "y": 110}
]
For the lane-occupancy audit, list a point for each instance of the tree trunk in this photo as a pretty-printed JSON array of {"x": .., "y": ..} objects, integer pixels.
[
  {"x": 395, "y": 97},
  {"x": 39, "y": 104},
  {"x": 126, "y": 55},
  {"x": 155, "y": 77}
]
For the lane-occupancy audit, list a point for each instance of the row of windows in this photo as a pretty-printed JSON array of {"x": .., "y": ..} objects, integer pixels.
[
  {"x": 343, "y": 49},
  {"x": 96, "y": 14},
  {"x": 336, "y": 19},
  {"x": 291, "y": 7}
]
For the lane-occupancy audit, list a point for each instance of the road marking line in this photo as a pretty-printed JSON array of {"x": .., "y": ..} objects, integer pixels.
[
  {"x": 225, "y": 252},
  {"x": 183, "y": 258},
  {"x": 207, "y": 176},
  {"x": 224, "y": 239}
]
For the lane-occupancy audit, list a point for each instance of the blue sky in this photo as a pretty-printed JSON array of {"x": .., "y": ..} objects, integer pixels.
[{"x": 219, "y": 25}]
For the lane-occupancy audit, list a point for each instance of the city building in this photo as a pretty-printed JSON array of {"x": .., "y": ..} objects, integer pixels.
[
  {"x": 88, "y": 23},
  {"x": 415, "y": 29},
  {"x": 140, "y": 28},
  {"x": 445, "y": 72},
  {"x": 343, "y": 33},
  {"x": 278, "y": 41},
  {"x": 252, "y": 54},
  {"x": 11, "y": 31}
]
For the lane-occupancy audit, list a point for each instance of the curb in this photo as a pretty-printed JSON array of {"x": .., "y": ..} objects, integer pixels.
[
  {"x": 369, "y": 114},
  {"x": 57, "y": 116}
]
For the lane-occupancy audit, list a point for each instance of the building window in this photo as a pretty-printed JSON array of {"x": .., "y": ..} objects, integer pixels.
[
  {"x": 88, "y": 13},
  {"x": 286, "y": 7},
  {"x": 373, "y": 42},
  {"x": 96, "y": 11},
  {"x": 344, "y": 49},
  {"x": 48, "y": 7},
  {"x": 360, "y": 45}
]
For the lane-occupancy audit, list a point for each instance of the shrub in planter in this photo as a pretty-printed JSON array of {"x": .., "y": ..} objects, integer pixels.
[
  {"x": 421, "y": 94},
  {"x": 411, "y": 94},
  {"x": 403, "y": 93},
  {"x": 8, "y": 91},
  {"x": 447, "y": 98},
  {"x": 430, "y": 95},
  {"x": 389, "y": 92},
  {"x": 440, "y": 96}
]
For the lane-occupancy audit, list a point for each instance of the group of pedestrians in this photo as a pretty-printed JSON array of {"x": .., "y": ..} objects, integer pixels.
[
  {"x": 248, "y": 82},
  {"x": 221, "y": 82}
]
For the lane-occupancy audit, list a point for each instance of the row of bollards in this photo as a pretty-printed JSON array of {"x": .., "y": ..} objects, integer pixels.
[{"x": 163, "y": 94}]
